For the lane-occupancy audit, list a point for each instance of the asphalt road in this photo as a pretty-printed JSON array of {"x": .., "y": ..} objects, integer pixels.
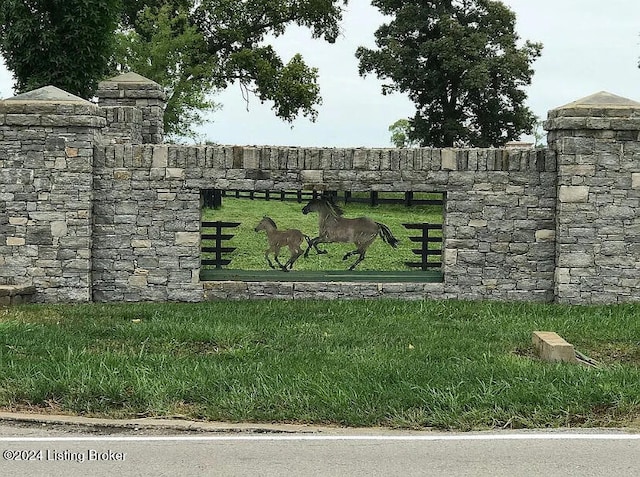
[{"x": 40, "y": 450}]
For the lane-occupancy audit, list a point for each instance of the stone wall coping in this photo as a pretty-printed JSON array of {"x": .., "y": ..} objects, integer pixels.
[
  {"x": 11, "y": 106},
  {"x": 598, "y": 105},
  {"x": 15, "y": 290},
  {"x": 604, "y": 122}
]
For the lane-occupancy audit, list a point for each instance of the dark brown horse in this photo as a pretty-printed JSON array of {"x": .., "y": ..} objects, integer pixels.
[
  {"x": 277, "y": 239},
  {"x": 335, "y": 228}
]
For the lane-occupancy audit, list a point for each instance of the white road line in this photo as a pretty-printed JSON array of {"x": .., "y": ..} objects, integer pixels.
[{"x": 303, "y": 437}]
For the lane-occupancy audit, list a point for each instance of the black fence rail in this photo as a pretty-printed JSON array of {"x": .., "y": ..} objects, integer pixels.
[
  {"x": 426, "y": 238},
  {"x": 283, "y": 195},
  {"x": 427, "y": 270},
  {"x": 212, "y": 198},
  {"x": 373, "y": 198},
  {"x": 213, "y": 231}
]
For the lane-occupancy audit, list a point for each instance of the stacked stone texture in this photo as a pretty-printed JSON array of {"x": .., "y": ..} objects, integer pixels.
[
  {"x": 499, "y": 216},
  {"x": 92, "y": 209},
  {"x": 46, "y": 195},
  {"x": 598, "y": 211},
  {"x": 128, "y": 92},
  {"x": 124, "y": 125},
  {"x": 146, "y": 227}
]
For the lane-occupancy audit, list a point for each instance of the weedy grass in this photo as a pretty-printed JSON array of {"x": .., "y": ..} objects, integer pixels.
[
  {"x": 441, "y": 364},
  {"x": 250, "y": 245}
]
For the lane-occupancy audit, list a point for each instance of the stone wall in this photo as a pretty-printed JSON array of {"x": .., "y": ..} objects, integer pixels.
[
  {"x": 598, "y": 217},
  {"x": 146, "y": 224},
  {"x": 47, "y": 140},
  {"x": 498, "y": 230},
  {"x": 92, "y": 209},
  {"x": 139, "y": 108}
]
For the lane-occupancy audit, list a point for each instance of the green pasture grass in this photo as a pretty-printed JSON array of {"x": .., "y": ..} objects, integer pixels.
[
  {"x": 427, "y": 364},
  {"x": 250, "y": 245}
]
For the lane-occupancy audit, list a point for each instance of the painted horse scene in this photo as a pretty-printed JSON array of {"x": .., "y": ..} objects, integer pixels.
[
  {"x": 323, "y": 233},
  {"x": 334, "y": 228}
]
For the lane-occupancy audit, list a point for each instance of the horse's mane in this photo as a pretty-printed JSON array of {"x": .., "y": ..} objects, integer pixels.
[
  {"x": 270, "y": 220},
  {"x": 334, "y": 209}
]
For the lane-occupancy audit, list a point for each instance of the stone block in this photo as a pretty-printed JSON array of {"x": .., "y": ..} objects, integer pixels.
[
  {"x": 552, "y": 347},
  {"x": 137, "y": 281},
  {"x": 18, "y": 220},
  {"x": 574, "y": 194},
  {"x": 477, "y": 223},
  {"x": 59, "y": 228},
  {"x": 576, "y": 260},
  {"x": 449, "y": 160},
  {"x": 174, "y": 173},
  {"x": 190, "y": 239},
  {"x": 160, "y": 156},
  {"x": 122, "y": 175},
  {"x": 545, "y": 235}
]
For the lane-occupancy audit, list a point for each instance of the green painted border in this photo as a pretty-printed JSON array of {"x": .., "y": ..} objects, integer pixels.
[{"x": 411, "y": 276}]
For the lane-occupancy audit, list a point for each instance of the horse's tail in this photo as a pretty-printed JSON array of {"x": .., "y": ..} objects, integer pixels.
[{"x": 386, "y": 235}]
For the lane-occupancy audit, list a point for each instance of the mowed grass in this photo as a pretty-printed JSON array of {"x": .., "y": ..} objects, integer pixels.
[
  {"x": 427, "y": 364},
  {"x": 250, "y": 245}
]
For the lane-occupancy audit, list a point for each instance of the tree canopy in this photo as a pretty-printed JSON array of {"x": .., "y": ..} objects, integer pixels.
[
  {"x": 194, "y": 47},
  {"x": 460, "y": 63},
  {"x": 400, "y": 134},
  {"x": 66, "y": 43}
]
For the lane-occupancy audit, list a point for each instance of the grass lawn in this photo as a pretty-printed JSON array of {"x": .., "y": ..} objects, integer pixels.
[
  {"x": 250, "y": 245},
  {"x": 440, "y": 364}
]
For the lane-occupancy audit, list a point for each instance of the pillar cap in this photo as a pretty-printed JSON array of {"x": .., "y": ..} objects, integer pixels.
[
  {"x": 602, "y": 98},
  {"x": 48, "y": 94},
  {"x": 601, "y": 104},
  {"x": 130, "y": 78},
  {"x": 131, "y": 86},
  {"x": 600, "y": 111}
]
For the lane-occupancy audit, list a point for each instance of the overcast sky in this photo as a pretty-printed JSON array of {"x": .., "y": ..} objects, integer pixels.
[{"x": 589, "y": 46}]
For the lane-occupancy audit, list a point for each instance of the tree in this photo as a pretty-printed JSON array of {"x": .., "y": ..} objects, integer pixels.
[
  {"x": 65, "y": 43},
  {"x": 166, "y": 48},
  {"x": 193, "y": 48},
  {"x": 400, "y": 134},
  {"x": 196, "y": 47},
  {"x": 460, "y": 64}
]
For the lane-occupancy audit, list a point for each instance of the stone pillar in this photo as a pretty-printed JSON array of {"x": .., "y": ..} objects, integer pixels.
[
  {"x": 597, "y": 141},
  {"x": 47, "y": 139},
  {"x": 120, "y": 96}
]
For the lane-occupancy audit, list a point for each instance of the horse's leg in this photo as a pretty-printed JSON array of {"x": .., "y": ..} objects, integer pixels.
[
  {"x": 318, "y": 251},
  {"x": 354, "y": 252},
  {"x": 310, "y": 244},
  {"x": 266, "y": 255},
  {"x": 313, "y": 243},
  {"x": 348, "y": 254},
  {"x": 360, "y": 259},
  {"x": 295, "y": 254},
  {"x": 361, "y": 250},
  {"x": 276, "y": 252}
]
